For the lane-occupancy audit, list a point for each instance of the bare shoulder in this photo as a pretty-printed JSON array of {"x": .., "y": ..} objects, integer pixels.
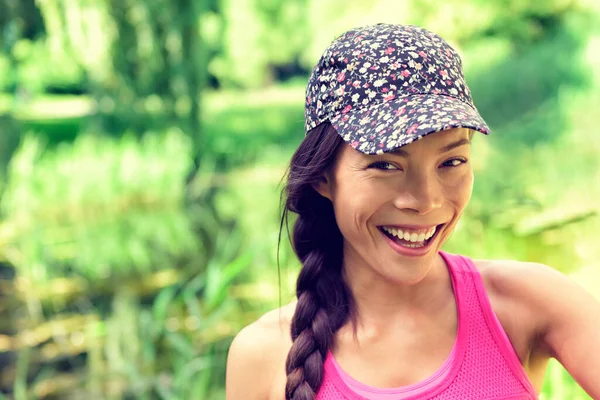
[
  {"x": 511, "y": 277},
  {"x": 523, "y": 281},
  {"x": 532, "y": 292},
  {"x": 527, "y": 286},
  {"x": 257, "y": 355}
]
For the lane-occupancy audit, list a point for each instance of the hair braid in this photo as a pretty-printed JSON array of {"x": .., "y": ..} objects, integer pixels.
[{"x": 323, "y": 298}]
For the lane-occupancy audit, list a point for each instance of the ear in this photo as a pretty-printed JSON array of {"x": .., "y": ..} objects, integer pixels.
[{"x": 324, "y": 186}]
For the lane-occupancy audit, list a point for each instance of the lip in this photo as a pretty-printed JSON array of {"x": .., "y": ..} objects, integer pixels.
[
  {"x": 406, "y": 251},
  {"x": 412, "y": 227}
]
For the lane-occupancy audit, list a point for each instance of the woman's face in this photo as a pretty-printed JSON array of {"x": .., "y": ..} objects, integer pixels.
[{"x": 397, "y": 209}]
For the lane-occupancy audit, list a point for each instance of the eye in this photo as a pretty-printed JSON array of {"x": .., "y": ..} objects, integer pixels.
[
  {"x": 383, "y": 165},
  {"x": 455, "y": 162}
]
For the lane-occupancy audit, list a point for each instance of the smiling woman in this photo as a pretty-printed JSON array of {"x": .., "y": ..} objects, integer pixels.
[
  {"x": 431, "y": 180},
  {"x": 382, "y": 312}
]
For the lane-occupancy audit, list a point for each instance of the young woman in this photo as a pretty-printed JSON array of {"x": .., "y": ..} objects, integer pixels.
[{"x": 378, "y": 185}]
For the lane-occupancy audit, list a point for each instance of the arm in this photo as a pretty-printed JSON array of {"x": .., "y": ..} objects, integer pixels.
[{"x": 572, "y": 332}]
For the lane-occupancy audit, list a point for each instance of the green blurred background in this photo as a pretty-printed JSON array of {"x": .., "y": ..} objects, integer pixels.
[{"x": 142, "y": 146}]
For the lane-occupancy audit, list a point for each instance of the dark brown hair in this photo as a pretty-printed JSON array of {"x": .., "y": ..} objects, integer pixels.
[{"x": 324, "y": 301}]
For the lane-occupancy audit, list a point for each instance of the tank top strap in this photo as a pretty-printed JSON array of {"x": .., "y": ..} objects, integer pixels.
[{"x": 490, "y": 320}]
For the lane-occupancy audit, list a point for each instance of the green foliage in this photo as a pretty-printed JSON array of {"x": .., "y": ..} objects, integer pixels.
[
  {"x": 32, "y": 74},
  {"x": 6, "y": 78},
  {"x": 258, "y": 35},
  {"x": 9, "y": 140},
  {"x": 98, "y": 207},
  {"x": 103, "y": 226},
  {"x": 243, "y": 128},
  {"x": 157, "y": 67}
]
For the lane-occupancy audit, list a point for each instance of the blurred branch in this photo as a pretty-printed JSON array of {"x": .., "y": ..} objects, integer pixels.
[{"x": 552, "y": 219}]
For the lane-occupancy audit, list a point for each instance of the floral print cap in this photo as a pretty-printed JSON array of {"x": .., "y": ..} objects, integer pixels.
[{"x": 384, "y": 86}]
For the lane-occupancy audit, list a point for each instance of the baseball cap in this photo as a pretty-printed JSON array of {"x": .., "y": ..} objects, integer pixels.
[{"x": 384, "y": 86}]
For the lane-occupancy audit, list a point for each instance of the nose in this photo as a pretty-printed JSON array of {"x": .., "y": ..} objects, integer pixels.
[{"x": 422, "y": 193}]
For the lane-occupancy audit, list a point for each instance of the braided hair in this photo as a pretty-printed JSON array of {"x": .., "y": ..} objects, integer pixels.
[{"x": 324, "y": 301}]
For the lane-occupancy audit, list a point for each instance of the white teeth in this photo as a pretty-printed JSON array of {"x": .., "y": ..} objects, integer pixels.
[
  {"x": 411, "y": 236},
  {"x": 430, "y": 233},
  {"x": 413, "y": 246}
]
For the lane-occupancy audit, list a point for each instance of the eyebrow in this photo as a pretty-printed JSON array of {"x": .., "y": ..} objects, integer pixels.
[
  {"x": 454, "y": 145},
  {"x": 444, "y": 149}
]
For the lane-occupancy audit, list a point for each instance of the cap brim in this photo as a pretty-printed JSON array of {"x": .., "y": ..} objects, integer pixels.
[{"x": 387, "y": 126}]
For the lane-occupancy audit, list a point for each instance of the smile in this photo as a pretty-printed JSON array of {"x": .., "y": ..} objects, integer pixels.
[
  {"x": 410, "y": 239},
  {"x": 408, "y": 235}
]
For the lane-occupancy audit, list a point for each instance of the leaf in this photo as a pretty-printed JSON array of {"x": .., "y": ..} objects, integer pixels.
[
  {"x": 219, "y": 279},
  {"x": 161, "y": 304},
  {"x": 192, "y": 374},
  {"x": 181, "y": 344}
]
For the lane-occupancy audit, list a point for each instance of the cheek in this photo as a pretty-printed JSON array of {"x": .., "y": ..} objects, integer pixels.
[
  {"x": 354, "y": 204},
  {"x": 459, "y": 190}
]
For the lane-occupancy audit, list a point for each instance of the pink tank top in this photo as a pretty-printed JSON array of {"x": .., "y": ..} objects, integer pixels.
[{"x": 482, "y": 364}]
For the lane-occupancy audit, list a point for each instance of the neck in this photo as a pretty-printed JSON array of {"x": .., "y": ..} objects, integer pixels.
[{"x": 381, "y": 302}]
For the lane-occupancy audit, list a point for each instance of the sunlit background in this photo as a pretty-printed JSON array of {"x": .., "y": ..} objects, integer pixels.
[{"x": 142, "y": 146}]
